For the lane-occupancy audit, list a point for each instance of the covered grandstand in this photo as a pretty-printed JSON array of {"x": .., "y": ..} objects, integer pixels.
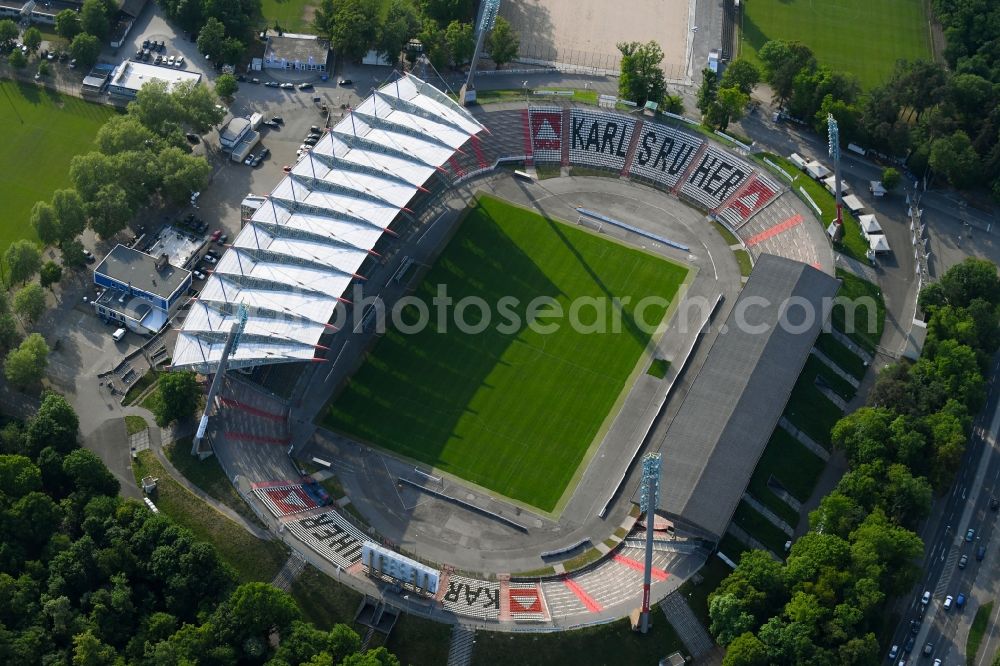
[
  {"x": 293, "y": 261},
  {"x": 713, "y": 444}
]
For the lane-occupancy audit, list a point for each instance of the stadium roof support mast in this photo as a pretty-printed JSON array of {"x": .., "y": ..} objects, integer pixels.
[
  {"x": 648, "y": 500},
  {"x": 232, "y": 344},
  {"x": 833, "y": 140},
  {"x": 488, "y": 11}
]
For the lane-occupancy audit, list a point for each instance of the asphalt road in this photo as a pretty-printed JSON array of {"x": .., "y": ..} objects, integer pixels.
[{"x": 966, "y": 507}]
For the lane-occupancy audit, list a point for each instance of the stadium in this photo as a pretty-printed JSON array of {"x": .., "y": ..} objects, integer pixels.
[{"x": 494, "y": 475}]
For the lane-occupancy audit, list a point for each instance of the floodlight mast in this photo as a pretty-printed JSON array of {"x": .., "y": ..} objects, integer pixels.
[
  {"x": 833, "y": 138},
  {"x": 232, "y": 344},
  {"x": 488, "y": 11},
  {"x": 648, "y": 499}
]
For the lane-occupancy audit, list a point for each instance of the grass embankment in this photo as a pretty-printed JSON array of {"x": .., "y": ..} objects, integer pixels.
[
  {"x": 977, "y": 630},
  {"x": 324, "y": 601},
  {"x": 759, "y": 527},
  {"x": 487, "y": 402},
  {"x": 863, "y": 325},
  {"x": 134, "y": 424},
  {"x": 208, "y": 476},
  {"x": 847, "y": 360},
  {"x": 792, "y": 465},
  {"x": 251, "y": 558},
  {"x": 609, "y": 644}
]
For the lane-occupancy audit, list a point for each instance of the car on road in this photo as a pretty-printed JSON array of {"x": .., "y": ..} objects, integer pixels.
[
  {"x": 962, "y": 561},
  {"x": 914, "y": 626},
  {"x": 286, "y": 86},
  {"x": 345, "y": 82},
  {"x": 909, "y": 645},
  {"x": 249, "y": 160},
  {"x": 970, "y": 535},
  {"x": 960, "y": 600},
  {"x": 948, "y": 601},
  {"x": 928, "y": 649},
  {"x": 994, "y": 503},
  {"x": 980, "y": 553},
  {"x": 926, "y": 599},
  {"x": 893, "y": 652},
  {"x": 937, "y": 662},
  {"x": 305, "y": 86},
  {"x": 271, "y": 84}
]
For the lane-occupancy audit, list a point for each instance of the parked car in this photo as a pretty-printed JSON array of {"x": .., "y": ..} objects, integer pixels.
[
  {"x": 315, "y": 129},
  {"x": 197, "y": 275},
  {"x": 278, "y": 119},
  {"x": 249, "y": 160},
  {"x": 970, "y": 535},
  {"x": 212, "y": 253},
  {"x": 286, "y": 86},
  {"x": 926, "y": 598},
  {"x": 311, "y": 141},
  {"x": 272, "y": 124},
  {"x": 980, "y": 553},
  {"x": 145, "y": 44},
  {"x": 209, "y": 259},
  {"x": 179, "y": 62},
  {"x": 216, "y": 234},
  {"x": 893, "y": 652},
  {"x": 914, "y": 627},
  {"x": 928, "y": 649},
  {"x": 286, "y": 169},
  {"x": 314, "y": 135},
  {"x": 222, "y": 240},
  {"x": 909, "y": 645},
  {"x": 948, "y": 601},
  {"x": 170, "y": 61},
  {"x": 89, "y": 256},
  {"x": 960, "y": 600},
  {"x": 305, "y": 86},
  {"x": 255, "y": 81},
  {"x": 271, "y": 84},
  {"x": 345, "y": 82},
  {"x": 962, "y": 561}
]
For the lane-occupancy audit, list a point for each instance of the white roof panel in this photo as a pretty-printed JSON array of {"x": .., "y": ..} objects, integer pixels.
[{"x": 294, "y": 261}]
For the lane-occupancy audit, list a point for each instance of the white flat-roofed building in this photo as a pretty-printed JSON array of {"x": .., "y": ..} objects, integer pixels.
[
  {"x": 301, "y": 249},
  {"x": 130, "y": 76},
  {"x": 300, "y": 52}
]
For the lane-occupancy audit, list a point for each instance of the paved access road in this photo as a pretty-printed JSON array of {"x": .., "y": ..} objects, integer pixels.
[{"x": 966, "y": 507}]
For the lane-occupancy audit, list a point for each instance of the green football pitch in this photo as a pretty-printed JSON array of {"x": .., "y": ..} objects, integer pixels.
[
  {"x": 43, "y": 130},
  {"x": 864, "y": 37},
  {"x": 512, "y": 409}
]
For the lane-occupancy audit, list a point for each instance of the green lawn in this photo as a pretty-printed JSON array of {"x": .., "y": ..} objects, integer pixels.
[
  {"x": 759, "y": 527},
  {"x": 812, "y": 412},
  {"x": 134, "y": 424},
  {"x": 208, "y": 476},
  {"x": 977, "y": 630},
  {"x": 854, "y": 289},
  {"x": 44, "y": 130},
  {"x": 605, "y": 645},
  {"x": 845, "y": 359},
  {"x": 251, "y": 558},
  {"x": 816, "y": 368},
  {"x": 289, "y": 14},
  {"x": 743, "y": 259},
  {"x": 658, "y": 368},
  {"x": 864, "y": 37},
  {"x": 794, "y": 466},
  {"x": 324, "y": 601},
  {"x": 513, "y": 408}
]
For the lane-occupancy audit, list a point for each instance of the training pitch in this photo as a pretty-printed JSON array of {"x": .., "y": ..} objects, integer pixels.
[
  {"x": 43, "y": 131},
  {"x": 517, "y": 411},
  {"x": 864, "y": 37}
]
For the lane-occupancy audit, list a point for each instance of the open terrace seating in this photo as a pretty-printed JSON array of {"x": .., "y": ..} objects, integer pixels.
[{"x": 473, "y": 598}]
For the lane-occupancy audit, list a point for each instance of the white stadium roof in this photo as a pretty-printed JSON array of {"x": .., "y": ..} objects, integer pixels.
[{"x": 293, "y": 261}]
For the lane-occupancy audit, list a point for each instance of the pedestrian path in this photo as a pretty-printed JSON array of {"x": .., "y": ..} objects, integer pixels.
[
  {"x": 689, "y": 629},
  {"x": 463, "y": 642}
]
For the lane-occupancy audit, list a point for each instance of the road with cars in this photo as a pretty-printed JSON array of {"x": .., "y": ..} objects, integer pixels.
[{"x": 963, "y": 526}]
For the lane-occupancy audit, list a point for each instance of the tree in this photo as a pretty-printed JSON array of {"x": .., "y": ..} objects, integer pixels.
[
  {"x": 782, "y": 63},
  {"x": 44, "y": 69},
  {"x": 232, "y": 51},
  {"x": 89, "y": 650},
  {"x": 110, "y": 210},
  {"x": 672, "y": 104},
  {"x": 178, "y": 396},
  {"x": 26, "y": 365},
  {"x": 85, "y": 48},
  {"x": 446, "y": 11},
  {"x": 8, "y": 32},
  {"x": 54, "y": 425},
  {"x": 891, "y": 178},
  {"x": 23, "y": 260},
  {"x": 351, "y": 26},
  {"x": 120, "y": 133},
  {"x": 226, "y": 86},
  {"x": 70, "y": 213},
  {"x": 730, "y": 104},
  {"x": 68, "y": 24},
  {"x": 43, "y": 220},
  {"x": 435, "y": 44},
  {"x": 863, "y": 435},
  {"x": 746, "y": 650},
  {"x": 210, "y": 39},
  {"x": 741, "y": 74},
  {"x": 708, "y": 91},
  {"x": 50, "y": 274},
  {"x": 29, "y": 302},
  {"x": 503, "y": 43},
  {"x": 197, "y": 106},
  {"x": 956, "y": 159},
  {"x": 72, "y": 255},
  {"x": 32, "y": 38},
  {"x": 182, "y": 175},
  {"x": 730, "y": 617},
  {"x": 641, "y": 77},
  {"x": 17, "y": 59},
  {"x": 94, "y": 19},
  {"x": 461, "y": 42},
  {"x": 88, "y": 474},
  {"x": 963, "y": 283},
  {"x": 8, "y": 332},
  {"x": 401, "y": 24}
]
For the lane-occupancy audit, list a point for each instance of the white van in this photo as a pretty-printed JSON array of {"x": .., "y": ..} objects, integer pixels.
[{"x": 118, "y": 335}]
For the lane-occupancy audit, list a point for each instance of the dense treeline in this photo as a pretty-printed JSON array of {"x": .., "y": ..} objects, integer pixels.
[
  {"x": 224, "y": 28},
  {"x": 824, "y": 604},
  {"x": 88, "y": 578},
  {"x": 943, "y": 121}
]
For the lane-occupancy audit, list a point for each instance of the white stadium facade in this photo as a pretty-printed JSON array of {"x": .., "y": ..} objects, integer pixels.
[{"x": 293, "y": 261}]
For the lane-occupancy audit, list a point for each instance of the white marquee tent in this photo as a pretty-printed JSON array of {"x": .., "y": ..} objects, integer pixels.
[{"x": 293, "y": 261}]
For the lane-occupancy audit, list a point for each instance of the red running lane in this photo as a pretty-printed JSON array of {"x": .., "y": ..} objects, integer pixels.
[
  {"x": 774, "y": 231},
  {"x": 658, "y": 574},
  {"x": 587, "y": 600},
  {"x": 228, "y": 402}
]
